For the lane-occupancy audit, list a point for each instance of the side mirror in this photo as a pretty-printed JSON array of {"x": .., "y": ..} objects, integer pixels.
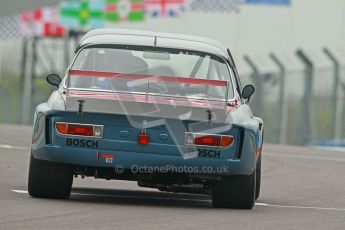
[
  {"x": 247, "y": 92},
  {"x": 54, "y": 79}
]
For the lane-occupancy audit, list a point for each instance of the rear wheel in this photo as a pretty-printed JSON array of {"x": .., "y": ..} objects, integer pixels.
[
  {"x": 235, "y": 192},
  {"x": 49, "y": 180}
]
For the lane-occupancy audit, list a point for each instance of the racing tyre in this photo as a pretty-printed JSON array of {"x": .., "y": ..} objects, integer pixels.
[
  {"x": 49, "y": 180},
  {"x": 258, "y": 178},
  {"x": 235, "y": 192}
]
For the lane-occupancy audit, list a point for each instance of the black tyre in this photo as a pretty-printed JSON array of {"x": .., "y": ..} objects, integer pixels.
[
  {"x": 235, "y": 192},
  {"x": 49, "y": 180},
  {"x": 258, "y": 178}
]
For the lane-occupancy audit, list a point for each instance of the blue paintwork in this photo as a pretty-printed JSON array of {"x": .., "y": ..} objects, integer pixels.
[{"x": 127, "y": 152}]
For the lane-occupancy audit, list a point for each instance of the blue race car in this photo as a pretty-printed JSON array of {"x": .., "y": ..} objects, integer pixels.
[{"x": 165, "y": 110}]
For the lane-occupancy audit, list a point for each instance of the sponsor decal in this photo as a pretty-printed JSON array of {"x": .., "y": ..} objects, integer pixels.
[
  {"x": 210, "y": 153},
  {"x": 82, "y": 143},
  {"x": 109, "y": 158},
  {"x": 207, "y": 153}
]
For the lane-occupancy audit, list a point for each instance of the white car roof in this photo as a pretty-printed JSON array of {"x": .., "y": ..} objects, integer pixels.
[{"x": 153, "y": 39}]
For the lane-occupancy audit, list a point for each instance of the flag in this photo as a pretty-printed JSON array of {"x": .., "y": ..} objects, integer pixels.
[
  {"x": 96, "y": 9},
  {"x": 10, "y": 27},
  {"x": 28, "y": 25},
  {"x": 165, "y": 8},
  {"x": 125, "y": 10},
  {"x": 215, "y": 5},
  {"x": 76, "y": 14},
  {"x": 41, "y": 22}
]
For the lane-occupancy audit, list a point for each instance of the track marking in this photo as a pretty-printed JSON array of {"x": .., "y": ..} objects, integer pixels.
[
  {"x": 6, "y": 146},
  {"x": 181, "y": 199},
  {"x": 12, "y": 147},
  {"x": 20, "y": 191},
  {"x": 305, "y": 157},
  {"x": 300, "y": 207}
]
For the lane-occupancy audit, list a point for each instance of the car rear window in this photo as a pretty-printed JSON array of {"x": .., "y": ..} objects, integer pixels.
[{"x": 151, "y": 70}]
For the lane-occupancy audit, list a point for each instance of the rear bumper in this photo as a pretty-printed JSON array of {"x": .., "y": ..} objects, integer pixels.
[{"x": 145, "y": 162}]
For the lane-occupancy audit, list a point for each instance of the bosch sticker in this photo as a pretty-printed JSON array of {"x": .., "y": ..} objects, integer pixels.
[
  {"x": 210, "y": 153},
  {"x": 81, "y": 143}
]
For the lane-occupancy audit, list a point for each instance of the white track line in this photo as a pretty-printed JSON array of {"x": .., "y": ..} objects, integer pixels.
[
  {"x": 167, "y": 198},
  {"x": 300, "y": 207},
  {"x": 20, "y": 191},
  {"x": 12, "y": 147}
]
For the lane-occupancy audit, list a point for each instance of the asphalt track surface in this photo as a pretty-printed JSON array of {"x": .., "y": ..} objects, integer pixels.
[{"x": 302, "y": 189}]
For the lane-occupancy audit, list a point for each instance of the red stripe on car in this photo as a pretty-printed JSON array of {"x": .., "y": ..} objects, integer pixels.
[{"x": 81, "y": 73}]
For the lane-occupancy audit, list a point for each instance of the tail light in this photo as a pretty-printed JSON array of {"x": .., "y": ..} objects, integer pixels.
[
  {"x": 143, "y": 139},
  {"x": 208, "y": 140},
  {"x": 73, "y": 129},
  {"x": 201, "y": 139}
]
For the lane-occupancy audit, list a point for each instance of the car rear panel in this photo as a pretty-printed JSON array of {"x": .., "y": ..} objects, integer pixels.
[
  {"x": 119, "y": 134},
  {"x": 48, "y": 145}
]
